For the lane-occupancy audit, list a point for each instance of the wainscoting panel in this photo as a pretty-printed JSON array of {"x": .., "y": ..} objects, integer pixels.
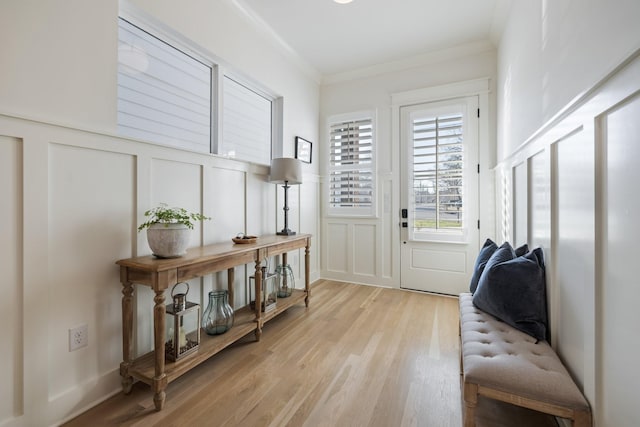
[
  {"x": 11, "y": 303},
  {"x": 573, "y": 261},
  {"x": 441, "y": 260},
  {"x": 390, "y": 235},
  {"x": 540, "y": 209},
  {"x": 520, "y": 204},
  {"x": 353, "y": 250},
  {"x": 365, "y": 253},
  {"x": 225, "y": 184},
  {"x": 619, "y": 340},
  {"x": 177, "y": 184},
  {"x": 337, "y": 250},
  {"x": 260, "y": 204},
  {"x": 89, "y": 220},
  {"x": 309, "y": 195}
]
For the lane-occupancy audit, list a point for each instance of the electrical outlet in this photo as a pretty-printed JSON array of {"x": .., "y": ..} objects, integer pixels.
[{"x": 78, "y": 337}]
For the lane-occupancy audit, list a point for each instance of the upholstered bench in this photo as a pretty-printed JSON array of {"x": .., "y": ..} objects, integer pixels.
[{"x": 500, "y": 362}]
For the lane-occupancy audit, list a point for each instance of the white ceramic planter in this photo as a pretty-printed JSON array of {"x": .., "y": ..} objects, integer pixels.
[{"x": 168, "y": 240}]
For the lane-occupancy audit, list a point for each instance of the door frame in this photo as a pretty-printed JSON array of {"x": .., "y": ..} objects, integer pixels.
[{"x": 486, "y": 153}]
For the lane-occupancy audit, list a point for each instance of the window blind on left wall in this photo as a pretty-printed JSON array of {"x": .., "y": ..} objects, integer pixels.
[
  {"x": 246, "y": 123},
  {"x": 164, "y": 94}
]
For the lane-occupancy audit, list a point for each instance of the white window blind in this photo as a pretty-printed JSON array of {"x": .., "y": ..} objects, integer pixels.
[
  {"x": 437, "y": 172},
  {"x": 351, "y": 167},
  {"x": 246, "y": 124},
  {"x": 164, "y": 95}
]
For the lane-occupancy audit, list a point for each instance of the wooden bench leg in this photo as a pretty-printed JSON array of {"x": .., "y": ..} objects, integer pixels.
[
  {"x": 581, "y": 419},
  {"x": 460, "y": 343},
  {"x": 470, "y": 396},
  {"x": 461, "y": 370}
]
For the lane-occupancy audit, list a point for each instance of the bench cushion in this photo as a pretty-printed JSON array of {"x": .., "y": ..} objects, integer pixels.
[{"x": 500, "y": 357}]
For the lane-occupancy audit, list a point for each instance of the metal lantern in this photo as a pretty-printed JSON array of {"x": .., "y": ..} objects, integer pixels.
[
  {"x": 269, "y": 291},
  {"x": 285, "y": 279},
  {"x": 183, "y": 326}
]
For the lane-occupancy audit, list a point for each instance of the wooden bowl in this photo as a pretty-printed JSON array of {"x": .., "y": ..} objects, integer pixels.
[{"x": 245, "y": 239}]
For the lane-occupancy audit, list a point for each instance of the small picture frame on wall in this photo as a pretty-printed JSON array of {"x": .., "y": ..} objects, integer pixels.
[{"x": 303, "y": 149}]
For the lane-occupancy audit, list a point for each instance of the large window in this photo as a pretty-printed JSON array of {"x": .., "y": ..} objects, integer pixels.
[
  {"x": 167, "y": 92},
  {"x": 351, "y": 172}
]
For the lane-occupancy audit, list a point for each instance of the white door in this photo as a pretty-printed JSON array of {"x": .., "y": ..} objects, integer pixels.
[{"x": 439, "y": 195}]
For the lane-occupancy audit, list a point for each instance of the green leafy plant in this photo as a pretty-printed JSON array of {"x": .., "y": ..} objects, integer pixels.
[{"x": 163, "y": 214}]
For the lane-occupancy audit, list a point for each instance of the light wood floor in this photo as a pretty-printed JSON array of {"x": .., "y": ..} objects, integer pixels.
[{"x": 359, "y": 356}]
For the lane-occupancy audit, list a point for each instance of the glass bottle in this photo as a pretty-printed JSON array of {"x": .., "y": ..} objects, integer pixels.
[
  {"x": 218, "y": 317},
  {"x": 286, "y": 281}
]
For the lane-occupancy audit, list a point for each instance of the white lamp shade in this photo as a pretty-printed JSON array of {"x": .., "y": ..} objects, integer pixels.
[{"x": 286, "y": 169}]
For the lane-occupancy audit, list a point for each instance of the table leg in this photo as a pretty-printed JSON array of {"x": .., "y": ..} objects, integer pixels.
[
  {"x": 127, "y": 336},
  {"x": 258, "y": 294},
  {"x": 284, "y": 285},
  {"x": 231, "y": 277},
  {"x": 306, "y": 275},
  {"x": 159, "y": 383}
]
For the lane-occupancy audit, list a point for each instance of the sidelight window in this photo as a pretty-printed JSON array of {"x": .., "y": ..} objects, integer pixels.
[{"x": 351, "y": 172}]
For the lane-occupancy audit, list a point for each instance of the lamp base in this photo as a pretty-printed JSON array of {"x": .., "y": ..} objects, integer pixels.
[{"x": 286, "y": 232}]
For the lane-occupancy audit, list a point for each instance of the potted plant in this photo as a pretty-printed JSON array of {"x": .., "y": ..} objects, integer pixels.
[{"x": 169, "y": 230}]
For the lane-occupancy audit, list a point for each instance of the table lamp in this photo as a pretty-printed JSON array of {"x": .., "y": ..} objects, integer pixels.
[{"x": 286, "y": 171}]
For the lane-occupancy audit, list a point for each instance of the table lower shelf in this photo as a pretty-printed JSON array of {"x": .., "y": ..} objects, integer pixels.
[
  {"x": 143, "y": 368},
  {"x": 284, "y": 303}
]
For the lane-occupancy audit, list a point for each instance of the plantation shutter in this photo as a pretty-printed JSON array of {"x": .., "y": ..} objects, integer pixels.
[
  {"x": 164, "y": 95},
  {"x": 351, "y": 167},
  {"x": 246, "y": 128},
  {"x": 437, "y": 171}
]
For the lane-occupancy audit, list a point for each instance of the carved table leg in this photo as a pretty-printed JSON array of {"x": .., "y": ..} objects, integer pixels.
[
  {"x": 160, "y": 379},
  {"x": 258, "y": 294},
  {"x": 127, "y": 336},
  {"x": 306, "y": 275}
]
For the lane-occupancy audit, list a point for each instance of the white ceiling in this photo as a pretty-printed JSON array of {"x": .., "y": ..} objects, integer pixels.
[{"x": 335, "y": 38}]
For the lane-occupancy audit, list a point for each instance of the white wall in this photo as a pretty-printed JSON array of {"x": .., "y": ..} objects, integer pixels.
[
  {"x": 367, "y": 250},
  {"x": 569, "y": 76},
  {"x": 59, "y": 61},
  {"x": 550, "y": 52},
  {"x": 72, "y": 192}
]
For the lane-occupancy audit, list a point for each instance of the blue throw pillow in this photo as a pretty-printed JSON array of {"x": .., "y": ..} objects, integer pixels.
[
  {"x": 522, "y": 250},
  {"x": 487, "y": 250},
  {"x": 513, "y": 289}
]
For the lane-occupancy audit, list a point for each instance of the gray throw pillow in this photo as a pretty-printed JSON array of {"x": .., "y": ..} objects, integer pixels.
[{"x": 513, "y": 289}]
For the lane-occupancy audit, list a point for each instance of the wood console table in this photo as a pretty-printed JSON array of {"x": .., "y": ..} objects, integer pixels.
[{"x": 161, "y": 274}]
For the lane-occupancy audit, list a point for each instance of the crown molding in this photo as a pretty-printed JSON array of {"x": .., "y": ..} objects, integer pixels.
[{"x": 423, "y": 59}]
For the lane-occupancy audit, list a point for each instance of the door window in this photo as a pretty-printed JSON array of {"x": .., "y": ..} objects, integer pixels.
[{"x": 436, "y": 173}]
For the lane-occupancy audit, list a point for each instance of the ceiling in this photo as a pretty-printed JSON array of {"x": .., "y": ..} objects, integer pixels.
[{"x": 336, "y": 38}]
